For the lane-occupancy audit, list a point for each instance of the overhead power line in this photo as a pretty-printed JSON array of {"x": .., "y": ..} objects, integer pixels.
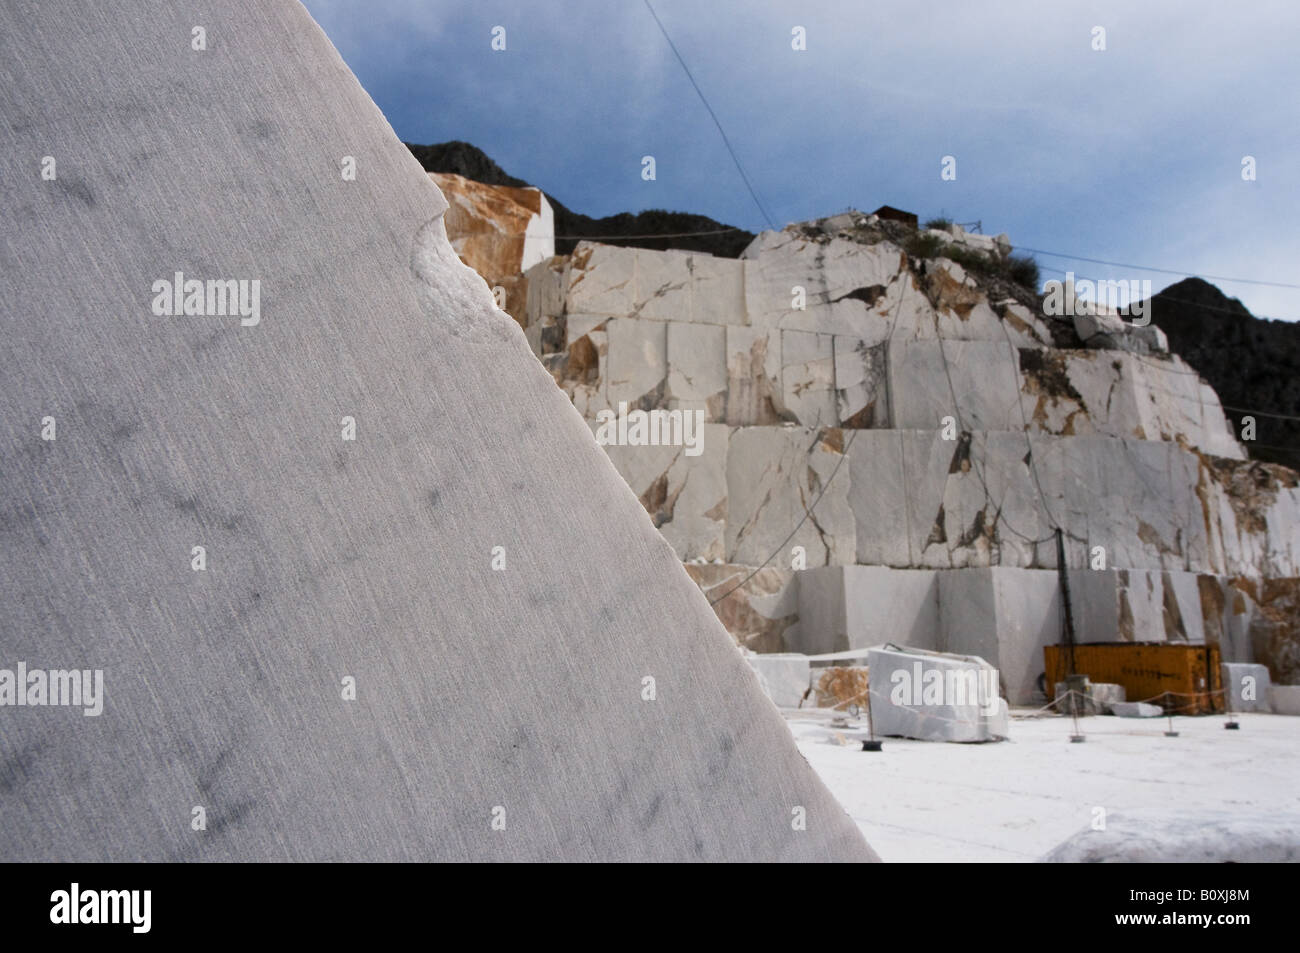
[
  {"x": 1165, "y": 299},
  {"x": 806, "y": 513},
  {"x": 1260, "y": 413},
  {"x": 853, "y": 435},
  {"x": 727, "y": 142},
  {"x": 1241, "y": 311},
  {"x": 1163, "y": 271},
  {"x": 601, "y": 238}
]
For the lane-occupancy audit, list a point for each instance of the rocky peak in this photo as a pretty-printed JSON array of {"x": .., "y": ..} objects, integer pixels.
[{"x": 1251, "y": 362}]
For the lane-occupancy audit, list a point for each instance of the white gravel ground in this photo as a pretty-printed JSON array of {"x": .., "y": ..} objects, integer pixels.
[{"x": 1016, "y": 800}]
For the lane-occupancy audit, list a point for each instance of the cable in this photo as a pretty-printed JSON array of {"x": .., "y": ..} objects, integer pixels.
[
  {"x": 974, "y": 465},
  {"x": 844, "y": 453},
  {"x": 1162, "y": 366},
  {"x": 1163, "y": 271},
  {"x": 1260, "y": 413},
  {"x": 714, "y": 116},
  {"x": 601, "y": 238},
  {"x": 976, "y": 468},
  {"x": 1168, "y": 370},
  {"x": 1241, "y": 311},
  {"x": 1042, "y": 496},
  {"x": 1024, "y": 421},
  {"x": 806, "y": 514},
  {"x": 1267, "y": 446},
  {"x": 1238, "y": 312}
]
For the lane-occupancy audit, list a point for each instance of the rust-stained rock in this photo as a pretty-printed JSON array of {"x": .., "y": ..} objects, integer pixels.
[
  {"x": 500, "y": 232},
  {"x": 1213, "y": 604},
  {"x": 1275, "y": 629},
  {"x": 760, "y": 612},
  {"x": 808, "y": 378},
  {"x": 950, "y": 289},
  {"x": 1056, "y": 402},
  {"x": 574, "y": 349},
  {"x": 841, "y": 685},
  {"x": 861, "y": 386},
  {"x": 754, "y": 377},
  {"x": 685, "y": 495},
  {"x": 1252, "y": 488}
]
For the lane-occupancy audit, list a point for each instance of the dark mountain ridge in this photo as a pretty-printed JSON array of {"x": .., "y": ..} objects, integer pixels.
[
  {"x": 461, "y": 158},
  {"x": 1253, "y": 363}
]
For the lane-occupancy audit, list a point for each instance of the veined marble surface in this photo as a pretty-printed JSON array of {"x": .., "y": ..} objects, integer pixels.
[{"x": 498, "y": 713}]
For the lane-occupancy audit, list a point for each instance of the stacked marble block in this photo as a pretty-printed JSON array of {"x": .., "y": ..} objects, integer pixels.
[{"x": 814, "y": 357}]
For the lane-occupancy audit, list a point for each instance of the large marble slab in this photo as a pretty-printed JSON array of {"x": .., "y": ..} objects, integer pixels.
[
  {"x": 429, "y": 620},
  {"x": 934, "y": 696}
]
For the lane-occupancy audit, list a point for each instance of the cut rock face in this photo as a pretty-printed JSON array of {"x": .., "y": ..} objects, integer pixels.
[
  {"x": 349, "y": 601},
  {"x": 760, "y": 607},
  {"x": 499, "y": 231},
  {"x": 973, "y": 425},
  {"x": 934, "y": 697}
]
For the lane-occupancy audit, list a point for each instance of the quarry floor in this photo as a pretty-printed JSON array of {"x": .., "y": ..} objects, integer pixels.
[{"x": 1016, "y": 800}]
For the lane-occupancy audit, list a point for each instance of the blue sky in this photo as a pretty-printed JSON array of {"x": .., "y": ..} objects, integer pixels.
[{"x": 1131, "y": 154}]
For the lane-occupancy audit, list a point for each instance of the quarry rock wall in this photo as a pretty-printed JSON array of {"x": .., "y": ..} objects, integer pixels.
[{"x": 870, "y": 417}]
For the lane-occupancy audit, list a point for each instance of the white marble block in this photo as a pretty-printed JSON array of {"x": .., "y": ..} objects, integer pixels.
[{"x": 934, "y": 696}]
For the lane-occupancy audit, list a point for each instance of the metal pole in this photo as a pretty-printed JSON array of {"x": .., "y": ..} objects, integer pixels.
[{"x": 1065, "y": 601}]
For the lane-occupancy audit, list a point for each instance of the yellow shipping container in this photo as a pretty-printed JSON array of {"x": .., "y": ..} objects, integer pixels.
[{"x": 1182, "y": 677}]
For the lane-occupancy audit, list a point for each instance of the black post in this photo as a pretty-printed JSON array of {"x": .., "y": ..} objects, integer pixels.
[{"x": 1065, "y": 601}]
